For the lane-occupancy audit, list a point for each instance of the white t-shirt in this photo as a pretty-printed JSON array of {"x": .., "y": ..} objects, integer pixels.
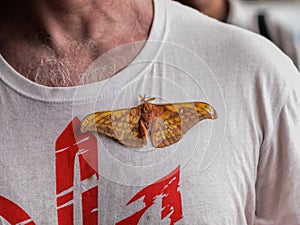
[{"x": 241, "y": 168}]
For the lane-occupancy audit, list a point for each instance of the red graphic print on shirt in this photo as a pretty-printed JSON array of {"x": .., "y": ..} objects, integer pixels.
[
  {"x": 166, "y": 187},
  {"x": 71, "y": 146},
  {"x": 12, "y": 213}
]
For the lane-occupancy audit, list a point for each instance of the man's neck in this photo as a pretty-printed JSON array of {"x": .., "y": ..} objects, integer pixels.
[
  {"x": 106, "y": 23},
  {"x": 57, "y": 26}
]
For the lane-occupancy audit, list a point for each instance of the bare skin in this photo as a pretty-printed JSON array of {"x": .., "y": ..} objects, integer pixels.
[
  {"x": 55, "y": 36},
  {"x": 217, "y": 9}
]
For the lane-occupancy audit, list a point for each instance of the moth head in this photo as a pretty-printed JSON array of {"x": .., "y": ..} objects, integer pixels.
[{"x": 148, "y": 107}]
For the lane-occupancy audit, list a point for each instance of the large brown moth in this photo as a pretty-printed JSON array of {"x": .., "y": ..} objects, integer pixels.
[{"x": 164, "y": 123}]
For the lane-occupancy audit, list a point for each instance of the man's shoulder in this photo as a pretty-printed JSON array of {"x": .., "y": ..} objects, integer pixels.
[
  {"x": 224, "y": 45},
  {"x": 190, "y": 27}
]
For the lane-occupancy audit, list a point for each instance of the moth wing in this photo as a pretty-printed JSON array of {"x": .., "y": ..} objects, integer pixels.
[
  {"x": 191, "y": 113},
  {"x": 166, "y": 127},
  {"x": 127, "y": 127},
  {"x": 99, "y": 122},
  {"x": 123, "y": 125},
  {"x": 176, "y": 119}
]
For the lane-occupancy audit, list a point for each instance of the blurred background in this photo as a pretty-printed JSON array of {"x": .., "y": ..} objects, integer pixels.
[{"x": 289, "y": 10}]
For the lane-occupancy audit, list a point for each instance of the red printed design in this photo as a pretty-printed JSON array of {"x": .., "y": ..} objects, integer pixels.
[
  {"x": 71, "y": 146},
  {"x": 166, "y": 187},
  {"x": 13, "y": 214}
]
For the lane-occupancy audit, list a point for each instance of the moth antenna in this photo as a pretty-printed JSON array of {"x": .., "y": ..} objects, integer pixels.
[
  {"x": 143, "y": 99},
  {"x": 150, "y": 99}
]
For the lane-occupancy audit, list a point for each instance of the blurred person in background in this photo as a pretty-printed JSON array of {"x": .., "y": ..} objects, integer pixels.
[{"x": 267, "y": 24}]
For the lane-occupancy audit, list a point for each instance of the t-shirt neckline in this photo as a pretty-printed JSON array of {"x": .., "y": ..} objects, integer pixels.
[{"x": 88, "y": 92}]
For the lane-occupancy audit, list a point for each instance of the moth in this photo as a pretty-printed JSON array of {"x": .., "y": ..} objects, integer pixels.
[{"x": 165, "y": 124}]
